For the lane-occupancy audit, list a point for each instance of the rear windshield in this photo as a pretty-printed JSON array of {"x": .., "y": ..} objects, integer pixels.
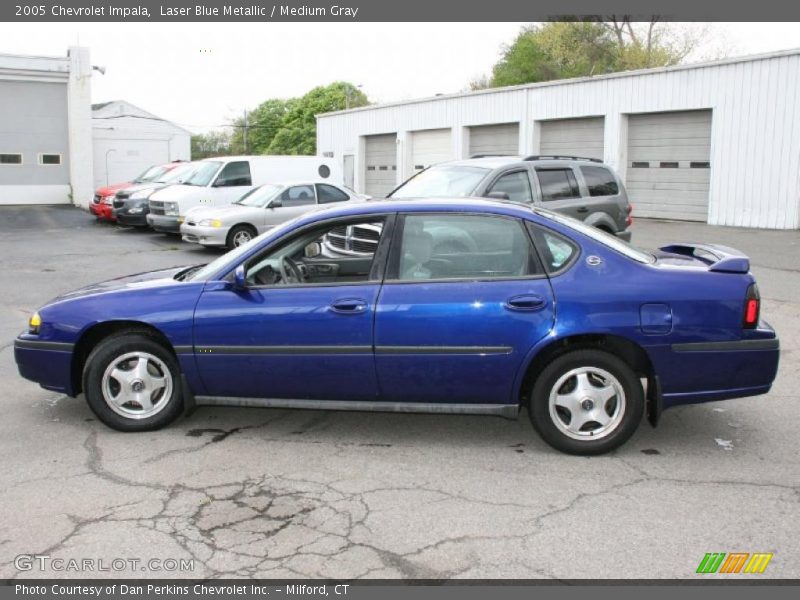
[
  {"x": 600, "y": 236},
  {"x": 442, "y": 181}
]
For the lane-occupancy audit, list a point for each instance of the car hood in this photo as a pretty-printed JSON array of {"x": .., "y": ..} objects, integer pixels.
[
  {"x": 150, "y": 279},
  {"x": 111, "y": 189},
  {"x": 177, "y": 192},
  {"x": 139, "y": 187},
  {"x": 223, "y": 213}
]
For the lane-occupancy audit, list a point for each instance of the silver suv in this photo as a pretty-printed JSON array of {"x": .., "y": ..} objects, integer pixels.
[{"x": 583, "y": 188}]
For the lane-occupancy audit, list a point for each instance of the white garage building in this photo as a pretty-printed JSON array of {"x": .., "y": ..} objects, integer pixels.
[
  {"x": 717, "y": 142},
  {"x": 56, "y": 147}
]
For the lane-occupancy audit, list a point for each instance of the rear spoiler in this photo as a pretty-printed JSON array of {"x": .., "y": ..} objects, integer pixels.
[{"x": 720, "y": 259}]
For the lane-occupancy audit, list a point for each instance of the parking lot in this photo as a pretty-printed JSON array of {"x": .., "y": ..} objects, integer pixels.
[{"x": 282, "y": 493}]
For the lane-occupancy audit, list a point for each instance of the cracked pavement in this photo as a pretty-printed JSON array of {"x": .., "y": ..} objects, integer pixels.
[{"x": 278, "y": 493}]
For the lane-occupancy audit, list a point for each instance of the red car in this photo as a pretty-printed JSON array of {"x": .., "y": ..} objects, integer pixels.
[{"x": 101, "y": 204}]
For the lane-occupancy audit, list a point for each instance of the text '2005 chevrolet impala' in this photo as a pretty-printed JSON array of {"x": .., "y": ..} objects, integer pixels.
[{"x": 440, "y": 306}]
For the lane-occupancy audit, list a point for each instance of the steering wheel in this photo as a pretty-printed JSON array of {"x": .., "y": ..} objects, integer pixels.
[{"x": 290, "y": 272}]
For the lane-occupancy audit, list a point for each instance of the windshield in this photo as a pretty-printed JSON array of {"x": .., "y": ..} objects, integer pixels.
[
  {"x": 444, "y": 180},
  {"x": 150, "y": 174},
  {"x": 600, "y": 236},
  {"x": 259, "y": 196},
  {"x": 203, "y": 174},
  {"x": 177, "y": 174}
]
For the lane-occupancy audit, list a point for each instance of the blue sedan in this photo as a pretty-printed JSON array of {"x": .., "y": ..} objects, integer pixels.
[{"x": 466, "y": 307}]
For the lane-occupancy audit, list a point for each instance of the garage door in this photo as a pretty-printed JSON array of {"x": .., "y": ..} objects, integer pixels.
[
  {"x": 381, "y": 164},
  {"x": 669, "y": 164},
  {"x": 573, "y": 137},
  {"x": 429, "y": 147},
  {"x": 494, "y": 139}
]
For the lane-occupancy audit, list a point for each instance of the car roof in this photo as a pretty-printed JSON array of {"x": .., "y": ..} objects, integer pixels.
[
  {"x": 497, "y": 161},
  {"x": 290, "y": 182},
  {"x": 467, "y": 205}
]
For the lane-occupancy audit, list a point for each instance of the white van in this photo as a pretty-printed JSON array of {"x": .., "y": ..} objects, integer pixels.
[{"x": 221, "y": 181}]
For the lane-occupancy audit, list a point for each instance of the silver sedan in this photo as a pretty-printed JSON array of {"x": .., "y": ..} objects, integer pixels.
[{"x": 259, "y": 210}]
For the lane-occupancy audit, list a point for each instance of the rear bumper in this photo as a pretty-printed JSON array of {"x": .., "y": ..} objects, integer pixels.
[
  {"x": 163, "y": 223},
  {"x": 706, "y": 371},
  {"x": 625, "y": 236},
  {"x": 47, "y": 363}
]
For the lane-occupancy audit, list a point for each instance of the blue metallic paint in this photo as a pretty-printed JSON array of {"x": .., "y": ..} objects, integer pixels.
[{"x": 586, "y": 299}]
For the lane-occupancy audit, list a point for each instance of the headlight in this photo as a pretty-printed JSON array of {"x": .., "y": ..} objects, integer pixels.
[
  {"x": 210, "y": 223},
  {"x": 171, "y": 209},
  {"x": 34, "y": 323},
  {"x": 108, "y": 199}
]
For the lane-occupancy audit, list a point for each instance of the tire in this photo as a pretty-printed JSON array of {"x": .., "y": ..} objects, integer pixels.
[
  {"x": 117, "y": 367},
  {"x": 240, "y": 234},
  {"x": 578, "y": 387}
]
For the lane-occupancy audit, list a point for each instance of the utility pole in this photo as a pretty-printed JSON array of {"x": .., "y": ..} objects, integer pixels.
[{"x": 245, "y": 131}]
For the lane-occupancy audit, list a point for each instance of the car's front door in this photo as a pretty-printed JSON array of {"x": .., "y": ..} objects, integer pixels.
[
  {"x": 302, "y": 329},
  {"x": 465, "y": 299}
]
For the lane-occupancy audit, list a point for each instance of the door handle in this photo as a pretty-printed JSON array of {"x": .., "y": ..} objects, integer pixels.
[
  {"x": 529, "y": 302},
  {"x": 583, "y": 209},
  {"x": 349, "y": 306}
]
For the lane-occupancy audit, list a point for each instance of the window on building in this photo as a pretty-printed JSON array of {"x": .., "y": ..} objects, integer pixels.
[
  {"x": 49, "y": 159},
  {"x": 558, "y": 184},
  {"x": 600, "y": 181},
  {"x": 8, "y": 158}
]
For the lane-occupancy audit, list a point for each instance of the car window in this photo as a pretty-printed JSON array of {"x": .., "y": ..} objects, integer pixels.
[
  {"x": 516, "y": 185},
  {"x": 201, "y": 173},
  {"x": 558, "y": 184},
  {"x": 298, "y": 195},
  {"x": 600, "y": 181},
  {"x": 445, "y": 180},
  {"x": 234, "y": 174},
  {"x": 556, "y": 250},
  {"x": 327, "y": 194},
  {"x": 311, "y": 258},
  {"x": 462, "y": 246}
]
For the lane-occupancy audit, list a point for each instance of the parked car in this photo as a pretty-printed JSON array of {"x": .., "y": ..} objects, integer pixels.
[
  {"x": 221, "y": 181},
  {"x": 276, "y": 323},
  {"x": 131, "y": 204},
  {"x": 101, "y": 204},
  {"x": 583, "y": 188},
  {"x": 260, "y": 209}
]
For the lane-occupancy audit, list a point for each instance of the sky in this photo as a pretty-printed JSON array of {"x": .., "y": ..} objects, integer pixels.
[{"x": 202, "y": 75}]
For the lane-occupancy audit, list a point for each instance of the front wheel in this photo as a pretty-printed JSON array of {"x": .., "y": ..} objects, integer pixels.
[
  {"x": 240, "y": 235},
  {"x": 586, "y": 402},
  {"x": 132, "y": 383}
]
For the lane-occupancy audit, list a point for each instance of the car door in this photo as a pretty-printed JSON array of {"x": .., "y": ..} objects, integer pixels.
[
  {"x": 231, "y": 183},
  {"x": 309, "y": 339},
  {"x": 560, "y": 191},
  {"x": 292, "y": 202},
  {"x": 464, "y": 300}
]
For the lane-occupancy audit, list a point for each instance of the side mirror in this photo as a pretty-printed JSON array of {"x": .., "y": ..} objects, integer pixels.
[
  {"x": 220, "y": 183},
  {"x": 239, "y": 278},
  {"x": 276, "y": 203},
  {"x": 498, "y": 196},
  {"x": 312, "y": 250}
]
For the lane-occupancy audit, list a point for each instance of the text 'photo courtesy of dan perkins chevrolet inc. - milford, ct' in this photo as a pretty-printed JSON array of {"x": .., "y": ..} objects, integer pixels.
[{"x": 267, "y": 11}]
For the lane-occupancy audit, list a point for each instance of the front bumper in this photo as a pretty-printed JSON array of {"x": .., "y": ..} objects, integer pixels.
[
  {"x": 47, "y": 363},
  {"x": 135, "y": 220},
  {"x": 163, "y": 223},
  {"x": 207, "y": 236},
  {"x": 102, "y": 211}
]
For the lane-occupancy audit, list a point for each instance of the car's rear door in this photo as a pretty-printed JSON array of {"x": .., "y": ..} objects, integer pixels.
[
  {"x": 464, "y": 300},
  {"x": 560, "y": 190}
]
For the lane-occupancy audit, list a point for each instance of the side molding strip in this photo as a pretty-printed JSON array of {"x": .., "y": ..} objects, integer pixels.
[
  {"x": 732, "y": 346},
  {"x": 40, "y": 345},
  {"x": 481, "y": 350},
  {"x": 508, "y": 411}
]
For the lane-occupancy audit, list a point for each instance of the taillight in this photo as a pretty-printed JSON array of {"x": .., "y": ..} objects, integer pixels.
[
  {"x": 752, "y": 307},
  {"x": 629, "y": 210}
]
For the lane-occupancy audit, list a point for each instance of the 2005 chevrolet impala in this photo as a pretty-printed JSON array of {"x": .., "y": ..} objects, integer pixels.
[{"x": 467, "y": 306}]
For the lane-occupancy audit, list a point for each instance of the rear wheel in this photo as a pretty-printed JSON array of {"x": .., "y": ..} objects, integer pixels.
[
  {"x": 239, "y": 235},
  {"x": 586, "y": 402},
  {"x": 132, "y": 383}
]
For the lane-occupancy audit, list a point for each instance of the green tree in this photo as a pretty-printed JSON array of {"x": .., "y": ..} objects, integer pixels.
[
  {"x": 564, "y": 49},
  {"x": 213, "y": 143},
  {"x": 298, "y": 130},
  {"x": 263, "y": 123}
]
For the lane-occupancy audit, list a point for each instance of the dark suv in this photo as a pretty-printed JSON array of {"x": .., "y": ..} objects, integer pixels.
[{"x": 583, "y": 188}]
